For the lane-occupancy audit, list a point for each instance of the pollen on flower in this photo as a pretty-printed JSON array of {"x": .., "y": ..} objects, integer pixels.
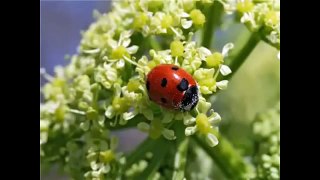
[
  {"x": 151, "y": 64},
  {"x": 206, "y": 79},
  {"x": 133, "y": 85},
  {"x": 166, "y": 21},
  {"x": 83, "y": 106},
  {"x": 176, "y": 48},
  {"x": 107, "y": 156},
  {"x": 245, "y": 6},
  {"x": 214, "y": 60},
  {"x": 60, "y": 113},
  {"x": 188, "y": 5},
  {"x": 92, "y": 114},
  {"x": 140, "y": 20},
  {"x": 120, "y": 104},
  {"x": 197, "y": 17},
  {"x": 272, "y": 18},
  {"x": 154, "y": 5},
  {"x": 156, "y": 128},
  {"x": 119, "y": 52},
  {"x": 209, "y": 82},
  {"x": 59, "y": 82},
  {"x": 203, "y": 123}
]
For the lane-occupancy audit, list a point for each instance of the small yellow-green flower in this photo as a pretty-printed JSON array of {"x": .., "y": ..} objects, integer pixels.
[
  {"x": 102, "y": 158},
  {"x": 272, "y": 18},
  {"x": 121, "y": 49},
  {"x": 107, "y": 156},
  {"x": 205, "y": 126},
  {"x": 214, "y": 60},
  {"x": 166, "y": 21},
  {"x": 156, "y": 129},
  {"x": 197, "y": 17},
  {"x": 245, "y": 6},
  {"x": 140, "y": 20},
  {"x": 176, "y": 48}
]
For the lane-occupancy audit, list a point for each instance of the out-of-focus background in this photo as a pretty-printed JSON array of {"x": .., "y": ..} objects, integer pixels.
[
  {"x": 61, "y": 23},
  {"x": 254, "y": 88}
]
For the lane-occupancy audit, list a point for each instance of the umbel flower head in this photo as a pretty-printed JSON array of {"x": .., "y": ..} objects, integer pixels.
[
  {"x": 262, "y": 17},
  {"x": 104, "y": 86},
  {"x": 266, "y": 129},
  {"x": 103, "y": 159},
  {"x": 201, "y": 71}
]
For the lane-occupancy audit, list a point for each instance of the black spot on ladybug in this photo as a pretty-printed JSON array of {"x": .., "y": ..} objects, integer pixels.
[
  {"x": 190, "y": 99},
  {"x": 163, "y": 100},
  {"x": 164, "y": 82},
  {"x": 148, "y": 85},
  {"x": 183, "y": 85},
  {"x": 175, "y": 68}
]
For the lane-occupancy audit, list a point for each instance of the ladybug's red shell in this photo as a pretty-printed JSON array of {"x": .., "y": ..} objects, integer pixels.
[{"x": 172, "y": 87}]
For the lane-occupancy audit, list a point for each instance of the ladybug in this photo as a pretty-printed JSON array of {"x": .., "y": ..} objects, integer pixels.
[{"x": 172, "y": 87}]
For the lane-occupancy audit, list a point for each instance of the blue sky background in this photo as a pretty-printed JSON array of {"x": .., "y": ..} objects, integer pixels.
[{"x": 61, "y": 23}]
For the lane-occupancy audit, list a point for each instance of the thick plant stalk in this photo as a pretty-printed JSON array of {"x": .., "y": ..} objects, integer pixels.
[
  {"x": 226, "y": 157},
  {"x": 213, "y": 17},
  {"x": 242, "y": 55},
  {"x": 181, "y": 155}
]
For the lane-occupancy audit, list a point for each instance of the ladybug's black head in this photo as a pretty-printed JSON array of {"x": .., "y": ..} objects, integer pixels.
[{"x": 190, "y": 99}]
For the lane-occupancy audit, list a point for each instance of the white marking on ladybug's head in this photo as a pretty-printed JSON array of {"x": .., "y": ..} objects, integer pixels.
[
  {"x": 190, "y": 98},
  {"x": 188, "y": 107}
]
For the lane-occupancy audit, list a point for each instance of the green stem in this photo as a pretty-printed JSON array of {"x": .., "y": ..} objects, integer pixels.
[
  {"x": 180, "y": 158},
  {"x": 153, "y": 146},
  {"x": 131, "y": 123},
  {"x": 226, "y": 157},
  {"x": 140, "y": 152},
  {"x": 213, "y": 16},
  {"x": 242, "y": 55},
  {"x": 154, "y": 43},
  {"x": 159, "y": 153}
]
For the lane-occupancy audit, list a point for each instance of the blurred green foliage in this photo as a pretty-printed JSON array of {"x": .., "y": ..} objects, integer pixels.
[{"x": 254, "y": 88}]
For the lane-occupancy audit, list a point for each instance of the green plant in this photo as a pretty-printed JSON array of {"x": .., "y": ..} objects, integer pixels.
[{"x": 102, "y": 90}]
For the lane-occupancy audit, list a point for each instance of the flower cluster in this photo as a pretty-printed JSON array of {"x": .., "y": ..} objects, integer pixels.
[
  {"x": 103, "y": 160},
  {"x": 266, "y": 129},
  {"x": 259, "y": 16},
  {"x": 103, "y": 86},
  {"x": 204, "y": 66}
]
